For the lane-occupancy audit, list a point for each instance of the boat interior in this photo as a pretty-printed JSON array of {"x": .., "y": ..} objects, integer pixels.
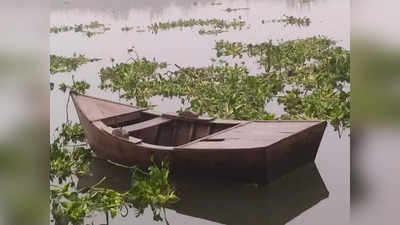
[{"x": 164, "y": 130}]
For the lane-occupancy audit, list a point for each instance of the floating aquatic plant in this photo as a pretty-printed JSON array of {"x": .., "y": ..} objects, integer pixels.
[
  {"x": 314, "y": 75},
  {"x": 88, "y": 29},
  {"x": 216, "y": 24},
  {"x": 77, "y": 86},
  {"x": 235, "y": 9},
  {"x": 126, "y": 28},
  {"x": 61, "y": 64},
  {"x": 70, "y": 158},
  {"x": 308, "y": 77},
  {"x": 216, "y": 3},
  {"x": 137, "y": 78},
  {"x": 291, "y": 20}
]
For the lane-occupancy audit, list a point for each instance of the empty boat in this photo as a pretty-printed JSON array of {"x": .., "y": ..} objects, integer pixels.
[{"x": 257, "y": 151}]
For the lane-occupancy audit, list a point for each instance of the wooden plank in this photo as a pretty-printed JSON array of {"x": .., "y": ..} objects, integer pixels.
[
  {"x": 121, "y": 119},
  {"x": 182, "y": 133},
  {"x": 191, "y": 131},
  {"x": 250, "y": 135},
  {"x": 189, "y": 119},
  {"x": 201, "y": 130},
  {"x": 146, "y": 124},
  {"x": 165, "y": 134},
  {"x": 184, "y": 145}
]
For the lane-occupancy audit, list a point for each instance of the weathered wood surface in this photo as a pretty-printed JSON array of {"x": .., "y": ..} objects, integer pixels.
[
  {"x": 249, "y": 136},
  {"x": 97, "y": 109},
  {"x": 186, "y": 118},
  {"x": 258, "y": 151},
  {"x": 146, "y": 124}
]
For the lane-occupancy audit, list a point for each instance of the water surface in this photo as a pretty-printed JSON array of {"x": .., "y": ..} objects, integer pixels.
[{"x": 316, "y": 194}]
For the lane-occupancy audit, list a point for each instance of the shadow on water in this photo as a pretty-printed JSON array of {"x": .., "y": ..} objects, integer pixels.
[
  {"x": 238, "y": 203},
  {"x": 231, "y": 202}
]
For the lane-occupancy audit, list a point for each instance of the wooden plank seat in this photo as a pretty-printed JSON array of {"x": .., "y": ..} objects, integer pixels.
[
  {"x": 146, "y": 124},
  {"x": 176, "y": 116},
  {"x": 117, "y": 120}
]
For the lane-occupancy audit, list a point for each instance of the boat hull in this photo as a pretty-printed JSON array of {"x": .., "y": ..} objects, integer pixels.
[{"x": 269, "y": 155}]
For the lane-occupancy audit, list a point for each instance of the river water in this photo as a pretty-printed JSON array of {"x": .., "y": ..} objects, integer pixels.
[{"x": 315, "y": 194}]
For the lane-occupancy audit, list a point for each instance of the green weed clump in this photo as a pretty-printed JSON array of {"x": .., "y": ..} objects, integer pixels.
[
  {"x": 61, "y": 64},
  {"x": 70, "y": 158},
  {"x": 291, "y": 20},
  {"x": 89, "y": 30},
  {"x": 215, "y": 24},
  {"x": 313, "y": 73},
  {"x": 309, "y": 77}
]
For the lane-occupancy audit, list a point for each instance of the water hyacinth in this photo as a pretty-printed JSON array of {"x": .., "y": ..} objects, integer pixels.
[
  {"x": 291, "y": 20},
  {"x": 216, "y": 24},
  {"x": 308, "y": 77},
  {"x": 61, "y": 64},
  {"x": 89, "y": 30},
  {"x": 70, "y": 158},
  {"x": 314, "y": 74},
  {"x": 137, "y": 79}
]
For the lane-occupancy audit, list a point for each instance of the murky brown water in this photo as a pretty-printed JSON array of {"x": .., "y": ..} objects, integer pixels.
[{"x": 301, "y": 197}]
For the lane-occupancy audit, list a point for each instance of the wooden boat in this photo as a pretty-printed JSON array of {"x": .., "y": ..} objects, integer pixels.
[{"x": 249, "y": 150}]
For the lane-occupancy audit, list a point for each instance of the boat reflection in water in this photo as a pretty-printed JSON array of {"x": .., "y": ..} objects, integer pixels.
[{"x": 232, "y": 202}]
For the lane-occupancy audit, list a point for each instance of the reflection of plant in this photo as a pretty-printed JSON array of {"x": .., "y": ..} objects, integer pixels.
[
  {"x": 61, "y": 64},
  {"x": 69, "y": 157},
  {"x": 214, "y": 32}
]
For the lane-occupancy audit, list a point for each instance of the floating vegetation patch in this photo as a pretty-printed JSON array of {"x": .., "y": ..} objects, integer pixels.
[
  {"x": 309, "y": 78},
  {"x": 137, "y": 78},
  {"x": 70, "y": 158},
  {"x": 235, "y": 9},
  {"x": 291, "y": 20},
  {"x": 225, "y": 91},
  {"x": 216, "y": 3},
  {"x": 126, "y": 28},
  {"x": 88, "y": 29},
  {"x": 77, "y": 86},
  {"x": 313, "y": 75},
  {"x": 61, "y": 64},
  {"x": 216, "y": 24}
]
